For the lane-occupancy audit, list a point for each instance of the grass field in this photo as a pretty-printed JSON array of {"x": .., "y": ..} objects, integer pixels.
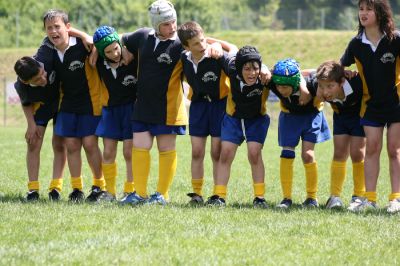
[{"x": 63, "y": 234}]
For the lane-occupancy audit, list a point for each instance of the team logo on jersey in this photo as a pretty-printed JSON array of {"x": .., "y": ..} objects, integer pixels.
[
  {"x": 129, "y": 80},
  {"x": 164, "y": 58},
  {"x": 52, "y": 77},
  {"x": 75, "y": 65},
  {"x": 209, "y": 76},
  {"x": 387, "y": 57},
  {"x": 253, "y": 93}
]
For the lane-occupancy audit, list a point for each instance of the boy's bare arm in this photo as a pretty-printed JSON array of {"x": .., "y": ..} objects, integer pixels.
[
  {"x": 307, "y": 72},
  {"x": 305, "y": 95},
  {"x": 86, "y": 38},
  {"x": 226, "y": 46}
]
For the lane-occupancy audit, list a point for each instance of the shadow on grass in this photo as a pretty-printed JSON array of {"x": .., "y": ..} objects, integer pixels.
[
  {"x": 295, "y": 208},
  {"x": 18, "y": 199}
]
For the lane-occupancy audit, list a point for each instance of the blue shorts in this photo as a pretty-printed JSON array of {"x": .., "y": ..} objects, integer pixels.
[
  {"x": 309, "y": 127},
  {"x": 347, "y": 124},
  {"x": 205, "y": 118},
  {"x": 369, "y": 123},
  {"x": 76, "y": 125},
  {"x": 156, "y": 129},
  {"x": 237, "y": 130},
  {"x": 116, "y": 122},
  {"x": 44, "y": 122}
]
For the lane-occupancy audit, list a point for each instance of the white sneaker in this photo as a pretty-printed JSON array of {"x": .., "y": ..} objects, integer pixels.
[
  {"x": 334, "y": 202},
  {"x": 394, "y": 206},
  {"x": 360, "y": 205}
]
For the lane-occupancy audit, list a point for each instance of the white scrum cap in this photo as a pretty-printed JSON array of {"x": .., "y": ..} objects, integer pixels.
[{"x": 161, "y": 11}]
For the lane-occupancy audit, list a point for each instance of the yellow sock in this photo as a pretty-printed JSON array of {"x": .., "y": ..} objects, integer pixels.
[
  {"x": 359, "y": 179},
  {"x": 166, "y": 171},
  {"x": 99, "y": 182},
  {"x": 371, "y": 196},
  {"x": 311, "y": 170},
  {"x": 286, "y": 173},
  {"x": 259, "y": 190},
  {"x": 220, "y": 190},
  {"x": 56, "y": 183},
  {"x": 394, "y": 196},
  {"x": 33, "y": 185},
  {"x": 110, "y": 175},
  {"x": 76, "y": 182},
  {"x": 338, "y": 174},
  {"x": 197, "y": 185},
  {"x": 129, "y": 187},
  {"x": 141, "y": 170}
]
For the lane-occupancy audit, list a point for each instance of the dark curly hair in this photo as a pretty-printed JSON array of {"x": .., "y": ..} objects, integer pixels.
[{"x": 384, "y": 16}]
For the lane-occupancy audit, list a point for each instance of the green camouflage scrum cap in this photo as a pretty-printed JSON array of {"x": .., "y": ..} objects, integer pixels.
[{"x": 103, "y": 37}]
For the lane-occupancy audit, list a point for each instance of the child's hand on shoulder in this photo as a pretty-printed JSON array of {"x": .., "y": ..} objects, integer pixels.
[
  {"x": 265, "y": 75},
  {"x": 305, "y": 96},
  {"x": 93, "y": 56},
  {"x": 215, "y": 50},
  {"x": 88, "y": 42},
  {"x": 127, "y": 57},
  {"x": 350, "y": 74}
]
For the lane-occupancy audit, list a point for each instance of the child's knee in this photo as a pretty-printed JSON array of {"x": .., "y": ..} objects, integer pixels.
[
  {"x": 109, "y": 154},
  {"x": 127, "y": 152},
  {"x": 34, "y": 147},
  {"x": 254, "y": 156},
  {"x": 215, "y": 155},
  {"x": 58, "y": 146},
  {"x": 394, "y": 152},
  {"x": 198, "y": 153},
  {"x": 226, "y": 156},
  {"x": 308, "y": 157}
]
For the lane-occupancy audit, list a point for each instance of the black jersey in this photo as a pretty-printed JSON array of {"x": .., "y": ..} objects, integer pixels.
[
  {"x": 80, "y": 83},
  {"x": 42, "y": 96},
  {"x": 352, "y": 88},
  {"x": 159, "y": 87},
  {"x": 120, "y": 85},
  {"x": 379, "y": 71},
  {"x": 291, "y": 104},
  {"x": 244, "y": 101},
  {"x": 207, "y": 79}
]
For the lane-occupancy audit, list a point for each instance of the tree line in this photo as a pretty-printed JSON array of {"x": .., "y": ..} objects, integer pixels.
[{"x": 21, "y": 25}]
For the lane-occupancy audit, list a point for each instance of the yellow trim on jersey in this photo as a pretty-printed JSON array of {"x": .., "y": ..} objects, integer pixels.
[
  {"x": 95, "y": 87},
  {"x": 264, "y": 98},
  {"x": 61, "y": 96},
  {"x": 36, "y": 106},
  {"x": 230, "y": 104},
  {"x": 176, "y": 110},
  {"x": 224, "y": 85},
  {"x": 283, "y": 108},
  {"x": 318, "y": 104},
  {"x": 334, "y": 108},
  {"x": 366, "y": 95},
  {"x": 190, "y": 90},
  {"x": 104, "y": 95},
  {"x": 397, "y": 81}
]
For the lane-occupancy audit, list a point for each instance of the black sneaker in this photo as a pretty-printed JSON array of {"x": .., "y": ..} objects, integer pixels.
[
  {"x": 285, "y": 204},
  {"x": 95, "y": 194},
  {"x": 32, "y": 195},
  {"x": 76, "y": 195},
  {"x": 215, "y": 200},
  {"x": 54, "y": 195},
  {"x": 195, "y": 199},
  {"x": 260, "y": 203},
  {"x": 310, "y": 203}
]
